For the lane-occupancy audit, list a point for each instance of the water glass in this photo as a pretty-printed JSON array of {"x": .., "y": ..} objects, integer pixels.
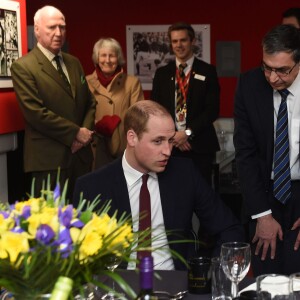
[
  {"x": 273, "y": 286},
  {"x": 220, "y": 283},
  {"x": 295, "y": 286}
]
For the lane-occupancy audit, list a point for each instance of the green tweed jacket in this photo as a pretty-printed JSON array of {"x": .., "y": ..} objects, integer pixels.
[{"x": 53, "y": 113}]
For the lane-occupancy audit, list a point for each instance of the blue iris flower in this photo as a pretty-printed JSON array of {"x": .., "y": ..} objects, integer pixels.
[
  {"x": 45, "y": 234},
  {"x": 56, "y": 192}
]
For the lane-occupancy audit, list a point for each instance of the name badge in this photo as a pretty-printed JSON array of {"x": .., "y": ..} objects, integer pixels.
[{"x": 199, "y": 77}]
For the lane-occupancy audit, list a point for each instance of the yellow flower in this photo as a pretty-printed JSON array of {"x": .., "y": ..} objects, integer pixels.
[
  {"x": 6, "y": 224},
  {"x": 90, "y": 245},
  {"x": 101, "y": 224},
  {"x": 123, "y": 236},
  {"x": 48, "y": 217},
  {"x": 35, "y": 204},
  {"x": 12, "y": 244}
]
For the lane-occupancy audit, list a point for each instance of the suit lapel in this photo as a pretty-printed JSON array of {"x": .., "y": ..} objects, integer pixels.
[
  {"x": 71, "y": 68},
  {"x": 49, "y": 69},
  {"x": 170, "y": 86},
  {"x": 167, "y": 196},
  {"x": 121, "y": 196},
  {"x": 265, "y": 109}
]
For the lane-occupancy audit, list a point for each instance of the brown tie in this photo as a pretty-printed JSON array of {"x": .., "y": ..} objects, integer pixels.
[
  {"x": 145, "y": 210},
  {"x": 61, "y": 72}
]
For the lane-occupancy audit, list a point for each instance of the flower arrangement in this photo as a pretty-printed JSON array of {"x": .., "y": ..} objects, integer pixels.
[{"x": 44, "y": 238}]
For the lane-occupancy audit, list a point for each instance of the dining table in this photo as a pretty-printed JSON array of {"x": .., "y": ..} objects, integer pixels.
[{"x": 172, "y": 282}]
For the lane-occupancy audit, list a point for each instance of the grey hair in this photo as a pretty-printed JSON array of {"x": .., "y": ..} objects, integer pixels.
[
  {"x": 39, "y": 13},
  {"x": 110, "y": 43}
]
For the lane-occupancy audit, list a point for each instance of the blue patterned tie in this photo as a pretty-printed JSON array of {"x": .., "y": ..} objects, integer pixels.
[{"x": 282, "y": 173}]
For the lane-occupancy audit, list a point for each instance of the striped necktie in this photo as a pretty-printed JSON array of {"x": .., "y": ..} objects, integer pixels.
[
  {"x": 61, "y": 71},
  {"x": 282, "y": 172},
  {"x": 180, "y": 101}
]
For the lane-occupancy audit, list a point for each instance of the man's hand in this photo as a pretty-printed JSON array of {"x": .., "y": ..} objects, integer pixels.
[
  {"x": 84, "y": 136},
  {"x": 295, "y": 226},
  {"x": 267, "y": 229},
  {"x": 76, "y": 146},
  {"x": 181, "y": 141}
]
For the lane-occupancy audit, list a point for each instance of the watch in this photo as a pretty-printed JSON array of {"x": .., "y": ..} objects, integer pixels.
[{"x": 188, "y": 132}]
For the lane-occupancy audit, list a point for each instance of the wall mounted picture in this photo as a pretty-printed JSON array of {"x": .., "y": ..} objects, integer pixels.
[
  {"x": 148, "y": 48},
  {"x": 10, "y": 39}
]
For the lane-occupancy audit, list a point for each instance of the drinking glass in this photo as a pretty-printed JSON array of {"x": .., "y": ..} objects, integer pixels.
[
  {"x": 273, "y": 287},
  {"x": 112, "y": 263},
  {"x": 235, "y": 261},
  {"x": 295, "y": 286}
]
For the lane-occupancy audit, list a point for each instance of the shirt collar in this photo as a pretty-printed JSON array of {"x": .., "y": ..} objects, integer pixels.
[
  {"x": 48, "y": 53},
  {"x": 294, "y": 88},
  {"x": 131, "y": 174},
  {"x": 189, "y": 62}
]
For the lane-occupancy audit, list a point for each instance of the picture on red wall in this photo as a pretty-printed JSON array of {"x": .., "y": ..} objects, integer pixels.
[
  {"x": 10, "y": 39},
  {"x": 148, "y": 48}
]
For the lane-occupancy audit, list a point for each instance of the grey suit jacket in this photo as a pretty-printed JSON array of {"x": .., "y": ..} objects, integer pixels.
[{"x": 53, "y": 114}]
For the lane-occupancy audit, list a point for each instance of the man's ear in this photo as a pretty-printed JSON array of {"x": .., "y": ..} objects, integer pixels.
[{"x": 131, "y": 138}]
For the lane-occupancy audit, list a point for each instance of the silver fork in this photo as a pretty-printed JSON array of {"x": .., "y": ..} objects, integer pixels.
[{"x": 167, "y": 295}]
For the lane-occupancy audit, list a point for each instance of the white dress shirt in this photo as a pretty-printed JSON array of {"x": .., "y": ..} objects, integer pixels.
[
  {"x": 293, "y": 106},
  {"x": 51, "y": 56},
  {"x": 162, "y": 258}
]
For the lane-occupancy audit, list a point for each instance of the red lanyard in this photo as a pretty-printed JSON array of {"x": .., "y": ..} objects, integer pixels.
[{"x": 183, "y": 84}]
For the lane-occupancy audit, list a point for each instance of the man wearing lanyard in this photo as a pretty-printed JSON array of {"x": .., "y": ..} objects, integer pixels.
[
  {"x": 189, "y": 89},
  {"x": 266, "y": 139}
]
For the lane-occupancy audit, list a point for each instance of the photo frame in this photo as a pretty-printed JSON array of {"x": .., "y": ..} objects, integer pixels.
[
  {"x": 148, "y": 48},
  {"x": 10, "y": 39}
]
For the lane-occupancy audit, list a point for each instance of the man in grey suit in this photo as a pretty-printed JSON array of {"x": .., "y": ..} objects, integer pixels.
[
  {"x": 274, "y": 217},
  {"x": 58, "y": 107},
  {"x": 176, "y": 187}
]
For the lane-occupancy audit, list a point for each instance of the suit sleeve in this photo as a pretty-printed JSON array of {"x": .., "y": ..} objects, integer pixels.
[
  {"x": 90, "y": 107},
  {"x": 37, "y": 115},
  {"x": 249, "y": 162},
  {"x": 215, "y": 217}
]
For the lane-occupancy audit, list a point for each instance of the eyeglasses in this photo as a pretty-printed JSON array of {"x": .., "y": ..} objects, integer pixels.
[{"x": 281, "y": 72}]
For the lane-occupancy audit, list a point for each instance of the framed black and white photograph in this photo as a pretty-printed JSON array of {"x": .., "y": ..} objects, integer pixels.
[
  {"x": 148, "y": 48},
  {"x": 10, "y": 39}
]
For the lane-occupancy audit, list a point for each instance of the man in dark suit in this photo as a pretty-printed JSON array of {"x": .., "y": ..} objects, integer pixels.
[
  {"x": 176, "y": 187},
  {"x": 199, "y": 97},
  {"x": 58, "y": 107},
  {"x": 259, "y": 103}
]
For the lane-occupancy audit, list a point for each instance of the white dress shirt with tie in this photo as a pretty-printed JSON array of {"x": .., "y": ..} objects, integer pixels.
[
  {"x": 293, "y": 106},
  {"x": 162, "y": 258}
]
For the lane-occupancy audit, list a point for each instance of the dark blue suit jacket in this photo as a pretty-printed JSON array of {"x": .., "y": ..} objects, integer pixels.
[
  {"x": 182, "y": 190},
  {"x": 254, "y": 139}
]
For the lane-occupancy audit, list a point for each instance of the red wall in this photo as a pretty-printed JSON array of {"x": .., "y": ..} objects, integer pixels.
[
  {"x": 11, "y": 119},
  {"x": 231, "y": 20}
]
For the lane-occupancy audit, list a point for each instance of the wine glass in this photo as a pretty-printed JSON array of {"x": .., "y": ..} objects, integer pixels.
[
  {"x": 235, "y": 260},
  {"x": 112, "y": 263}
]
